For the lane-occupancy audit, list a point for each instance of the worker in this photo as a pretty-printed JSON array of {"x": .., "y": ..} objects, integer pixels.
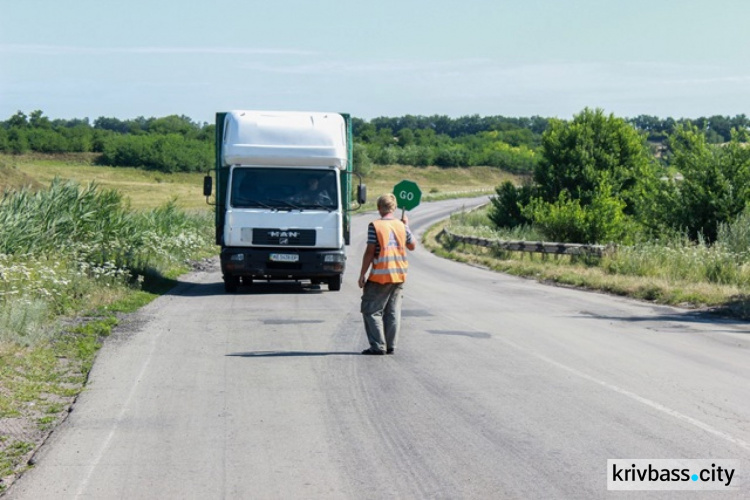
[{"x": 387, "y": 241}]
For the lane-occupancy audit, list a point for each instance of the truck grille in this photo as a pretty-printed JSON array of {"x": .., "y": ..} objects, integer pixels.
[{"x": 286, "y": 237}]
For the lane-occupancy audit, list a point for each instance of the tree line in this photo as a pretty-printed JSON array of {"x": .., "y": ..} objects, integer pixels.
[
  {"x": 597, "y": 182},
  {"x": 177, "y": 143},
  {"x": 169, "y": 144},
  {"x": 495, "y": 141},
  {"x": 717, "y": 128}
]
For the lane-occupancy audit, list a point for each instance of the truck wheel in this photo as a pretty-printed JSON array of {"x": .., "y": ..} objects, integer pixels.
[
  {"x": 231, "y": 283},
  {"x": 247, "y": 280},
  {"x": 334, "y": 284}
]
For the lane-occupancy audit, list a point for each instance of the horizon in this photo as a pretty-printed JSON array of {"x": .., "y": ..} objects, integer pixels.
[{"x": 91, "y": 120}]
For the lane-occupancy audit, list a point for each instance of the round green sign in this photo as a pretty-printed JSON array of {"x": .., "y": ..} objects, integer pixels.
[{"x": 408, "y": 195}]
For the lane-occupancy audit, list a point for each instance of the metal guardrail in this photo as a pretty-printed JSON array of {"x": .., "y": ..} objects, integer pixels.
[{"x": 531, "y": 246}]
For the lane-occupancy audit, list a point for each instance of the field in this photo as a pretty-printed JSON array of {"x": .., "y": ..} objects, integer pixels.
[
  {"x": 149, "y": 189},
  {"x": 144, "y": 189},
  {"x": 437, "y": 182}
]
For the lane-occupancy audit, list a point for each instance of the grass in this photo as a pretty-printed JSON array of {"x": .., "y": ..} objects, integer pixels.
[
  {"x": 38, "y": 383},
  {"x": 436, "y": 183},
  {"x": 678, "y": 273},
  {"x": 435, "y": 180},
  {"x": 142, "y": 188},
  {"x": 9, "y": 459}
]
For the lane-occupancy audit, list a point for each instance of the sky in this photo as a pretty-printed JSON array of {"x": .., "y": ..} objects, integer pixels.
[{"x": 551, "y": 58}]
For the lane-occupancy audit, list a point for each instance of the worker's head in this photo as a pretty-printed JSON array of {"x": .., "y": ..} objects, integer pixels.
[{"x": 386, "y": 203}]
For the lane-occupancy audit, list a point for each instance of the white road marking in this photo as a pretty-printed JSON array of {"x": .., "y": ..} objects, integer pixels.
[{"x": 645, "y": 401}]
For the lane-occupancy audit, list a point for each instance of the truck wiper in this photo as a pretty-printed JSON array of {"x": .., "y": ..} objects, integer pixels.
[
  {"x": 288, "y": 204},
  {"x": 258, "y": 203},
  {"x": 320, "y": 205}
]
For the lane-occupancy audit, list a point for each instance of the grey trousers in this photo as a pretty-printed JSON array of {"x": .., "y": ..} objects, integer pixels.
[{"x": 381, "y": 311}]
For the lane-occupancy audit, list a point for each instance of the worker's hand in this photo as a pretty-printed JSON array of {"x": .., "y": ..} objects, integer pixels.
[
  {"x": 362, "y": 280},
  {"x": 405, "y": 219}
]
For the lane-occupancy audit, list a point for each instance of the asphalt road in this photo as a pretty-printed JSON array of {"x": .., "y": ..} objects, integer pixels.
[{"x": 500, "y": 388}]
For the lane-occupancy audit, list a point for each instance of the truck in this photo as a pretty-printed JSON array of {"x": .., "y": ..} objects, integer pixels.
[{"x": 284, "y": 196}]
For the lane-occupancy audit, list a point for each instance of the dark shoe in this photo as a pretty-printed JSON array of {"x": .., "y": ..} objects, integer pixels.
[
  {"x": 390, "y": 351},
  {"x": 373, "y": 351}
]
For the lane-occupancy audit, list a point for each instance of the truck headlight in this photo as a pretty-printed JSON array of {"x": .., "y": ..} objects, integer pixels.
[
  {"x": 334, "y": 258},
  {"x": 237, "y": 257}
]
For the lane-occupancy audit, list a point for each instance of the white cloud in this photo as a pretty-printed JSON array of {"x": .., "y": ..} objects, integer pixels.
[
  {"x": 399, "y": 67},
  {"x": 55, "y": 50}
]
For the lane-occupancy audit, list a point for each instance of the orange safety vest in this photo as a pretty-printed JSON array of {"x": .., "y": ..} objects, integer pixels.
[{"x": 391, "y": 265}]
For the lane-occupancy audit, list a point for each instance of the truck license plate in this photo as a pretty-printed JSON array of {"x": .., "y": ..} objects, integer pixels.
[{"x": 284, "y": 257}]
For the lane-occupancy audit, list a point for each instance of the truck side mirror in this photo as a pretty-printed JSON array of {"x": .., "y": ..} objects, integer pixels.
[
  {"x": 361, "y": 194},
  {"x": 207, "y": 186}
]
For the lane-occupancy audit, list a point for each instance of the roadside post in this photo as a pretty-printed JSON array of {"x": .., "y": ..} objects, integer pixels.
[{"x": 408, "y": 195}]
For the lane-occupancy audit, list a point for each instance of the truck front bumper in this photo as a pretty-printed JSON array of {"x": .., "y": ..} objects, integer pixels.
[{"x": 282, "y": 263}]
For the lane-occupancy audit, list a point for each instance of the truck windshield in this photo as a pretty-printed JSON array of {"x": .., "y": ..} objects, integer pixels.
[{"x": 284, "y": 188}]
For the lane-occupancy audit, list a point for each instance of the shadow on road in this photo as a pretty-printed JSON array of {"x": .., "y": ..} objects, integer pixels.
[
  {"x": 188, "y": 289},
  {"x": 289, "y": 354},
  {"x": 691, "y": 317}
]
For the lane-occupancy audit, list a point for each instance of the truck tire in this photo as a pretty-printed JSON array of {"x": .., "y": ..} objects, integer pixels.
[
  {"x": 334, "y": 284},
  {"x": 231, "y": 283}
]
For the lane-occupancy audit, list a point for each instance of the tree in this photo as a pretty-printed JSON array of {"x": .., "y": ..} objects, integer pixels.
[
  {"x": 578, "y": 156},
  {"x": 715, "y": 185},
  {"x": 405, "y": 137},
  {"x": 18, "y": 142},
  {"x": 507, "y": 206},
  {"x": 4, "y": 144},
  {"x": 173, "y": 124},
  {"x": 37, "y": 120},
  {"x": 113, "y": 124},
  {"x": 362, "y": 162},
  {"x": 594, "y": 174}
]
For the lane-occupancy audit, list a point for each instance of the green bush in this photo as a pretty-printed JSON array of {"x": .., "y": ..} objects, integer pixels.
[
  {"x": 418, "y": 156},
  {"x": 566, "y": 220},
  {"x": 362, "y": 162},
  {"x": 516, "y": 160},
  {"x": 452, "y": 156},
  {"x": 166, "y": 153},
  {"x": 507, "y": 206},
  {"x": 734, "y": 237},
  {"x": 715, "y": 185}
]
